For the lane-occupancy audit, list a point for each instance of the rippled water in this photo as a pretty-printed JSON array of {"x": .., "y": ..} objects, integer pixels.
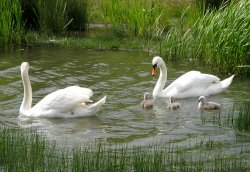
[{"x": 122, "y": 76}]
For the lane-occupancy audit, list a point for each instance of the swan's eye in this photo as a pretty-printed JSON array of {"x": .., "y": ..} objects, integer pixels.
[{"x": 155, "y": 65}]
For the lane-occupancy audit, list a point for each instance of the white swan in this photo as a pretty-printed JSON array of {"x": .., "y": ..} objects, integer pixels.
[
  {"x": 64, "y": 103},
  {"x": 190, "y": 84}
]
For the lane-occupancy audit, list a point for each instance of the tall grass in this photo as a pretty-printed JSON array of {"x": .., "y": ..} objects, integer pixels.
[
  {"x": 242, "y": 118},
  {"x": 225, "y": 36},
  {"x": 141, "y": 18},
  {"x": 26, "y": 150},
  {"x": 135, "y": 18},
  {"x": 220, "y": 38},
  {"x": 58, "y": 16},
  {"x": 11, "y": 27},
  {"x": 77, "y": 13},
  {"x": 52, "y": 16}
]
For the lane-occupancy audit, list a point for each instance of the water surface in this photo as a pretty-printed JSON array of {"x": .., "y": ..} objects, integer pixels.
[{"x": 122, "y": 76}]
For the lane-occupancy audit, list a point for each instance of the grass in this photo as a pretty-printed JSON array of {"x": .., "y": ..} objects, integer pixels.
[
  {"x": 237, "y": 117},
  {"x": 68, "y": 16},
  {"x": 216, "y": 37},
  {"x": 11, "y": 26},
  {"x": 242, "y": 119},
  {"x": 78, "y": 14},
  {"x": 27, "y": 150},
  {"x": 135, "y": 18},
  {"x": 219, "y": 38},
  {"x": 52, "y": 16}
]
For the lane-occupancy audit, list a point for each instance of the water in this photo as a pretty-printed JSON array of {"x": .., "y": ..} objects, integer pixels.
[{"x": 124, "y": 77}]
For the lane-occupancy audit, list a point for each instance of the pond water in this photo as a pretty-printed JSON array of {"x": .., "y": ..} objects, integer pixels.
[{"x": 124, "y": 77}]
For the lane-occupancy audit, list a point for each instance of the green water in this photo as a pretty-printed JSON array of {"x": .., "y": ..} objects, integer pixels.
[{"x": 124, "y": 77}]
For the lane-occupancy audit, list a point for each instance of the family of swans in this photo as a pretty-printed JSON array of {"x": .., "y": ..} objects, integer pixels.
[{"x": 74, "y": 101}]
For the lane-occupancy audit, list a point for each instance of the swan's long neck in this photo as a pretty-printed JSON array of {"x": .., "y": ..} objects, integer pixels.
[
  {"x": 27, "y": 97},
  {"x": 161, "y": 81}
]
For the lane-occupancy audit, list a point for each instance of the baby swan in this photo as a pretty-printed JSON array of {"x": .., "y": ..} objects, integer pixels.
[
  {"x": 146, "y": 102},
  {"x": 173, "y": 104},
  {"x": 207, "y": 105}
]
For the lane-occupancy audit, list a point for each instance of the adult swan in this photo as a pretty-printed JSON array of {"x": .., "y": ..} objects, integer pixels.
[
  {"x": 64, "y": 103},
  {"x": 190, "y": 84}
]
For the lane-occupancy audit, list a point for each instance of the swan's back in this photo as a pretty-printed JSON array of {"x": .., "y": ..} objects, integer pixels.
[
  {"x": 194, "y": 84},
  {"x": 62, "y": 101}
]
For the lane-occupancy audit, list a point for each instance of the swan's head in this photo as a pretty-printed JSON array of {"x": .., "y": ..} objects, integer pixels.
[
  {"x": 24, "y": 66},
  {"x": 156, "y": 62},
  {"x": 201, "y": 99}
]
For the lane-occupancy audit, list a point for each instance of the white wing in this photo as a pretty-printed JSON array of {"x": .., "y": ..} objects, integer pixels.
[
  {"x": 192, "y": 79},
  {"x": 65, "y": 99}
]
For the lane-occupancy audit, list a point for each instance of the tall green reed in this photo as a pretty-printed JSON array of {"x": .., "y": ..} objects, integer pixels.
[
  {"x": 77, "y": 13},
  {"x": 219, "y": 38},
  {"x": 135, "y": 18},
  {"x": 52, "y": 16},
  {"x": 11, "y": 27},
  {"x": 242, "y": 118},
  {"x": 225, "y": 36},
  {"x": 27, "y": 150}
]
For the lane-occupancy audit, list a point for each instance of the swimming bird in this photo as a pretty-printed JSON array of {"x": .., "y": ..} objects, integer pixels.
[
  {"x": 190, "y": 84},
  {"x": 146, "y": 102},
  {"x": 207, "y": 105},
  {"x": 72, "y": 101},
  {"x": 173, "y": 104}
]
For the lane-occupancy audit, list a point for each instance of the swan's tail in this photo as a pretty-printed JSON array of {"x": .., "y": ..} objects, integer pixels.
[
  {"x": 96, "y": 106},
  {"x": 220, "y": 87},
  {"x": 226, "y": 82}
]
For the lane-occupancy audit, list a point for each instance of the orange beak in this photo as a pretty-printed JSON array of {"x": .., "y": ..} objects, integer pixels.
[{"x": 153, "y": 71}]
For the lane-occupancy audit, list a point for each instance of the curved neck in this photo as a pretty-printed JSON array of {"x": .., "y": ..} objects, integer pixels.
[
  {"x": 27, "y": 97},
  {"x": 200, "y": 105},
  {"x": 161, "y": 81}
]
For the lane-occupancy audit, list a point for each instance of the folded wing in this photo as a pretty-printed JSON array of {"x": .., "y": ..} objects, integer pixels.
[{"x": 64, "y": 100}]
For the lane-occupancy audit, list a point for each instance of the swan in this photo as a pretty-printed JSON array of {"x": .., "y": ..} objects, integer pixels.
[
  {"x": 73, "y": 101},
  {"x": 190, "y": 84},
  {"x": 173, "y": 104},
  {"x": 146, "y": 102},
  {"x": 207, "y": 105}
]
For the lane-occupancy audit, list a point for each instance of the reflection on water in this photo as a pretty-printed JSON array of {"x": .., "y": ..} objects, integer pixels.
[
  {"x": 123, "y": 77},
  {"x": 63, "y": 129}
]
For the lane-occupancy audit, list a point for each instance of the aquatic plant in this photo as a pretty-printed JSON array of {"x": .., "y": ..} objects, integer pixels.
[
  {"x": 77, "y": 14},
  {"x": 242, "y": 118},
  {"x": 219, "y": 38},
  {"x": 11, "y": 27},
  {"x": 52, "y": 16},
  {"x": 27, "y": 150},
  {"x": 135, "y": 18}
]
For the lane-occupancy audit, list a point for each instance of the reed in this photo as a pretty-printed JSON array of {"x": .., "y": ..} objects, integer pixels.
[
  {"x": 135, "y": 18},
  {"x": 219, "y": 38},
  {"x": 11, "y": 27},
  {"x": 226, "y": 36},
  {"x": 77, "y": 14},
  {"x": 27, "y": 150},
  {"x": 242, "y": 118},
  {"x": 52, "y": 16}
]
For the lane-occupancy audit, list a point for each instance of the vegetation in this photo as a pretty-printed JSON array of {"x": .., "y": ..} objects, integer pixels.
[
  {"x": 11, "y": 26},
  {"x": 31, "y": 152},
  {"x": 216, "y": 36},
  {"x": 52, "y": 16},
  {"x": 219, "y": 38},
  {"x": 242, "y": 119}
]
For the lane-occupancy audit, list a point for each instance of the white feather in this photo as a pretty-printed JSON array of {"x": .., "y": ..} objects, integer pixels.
[
  {"x": 68, "y": 102},
  {"x": 190, "y": 84}
]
